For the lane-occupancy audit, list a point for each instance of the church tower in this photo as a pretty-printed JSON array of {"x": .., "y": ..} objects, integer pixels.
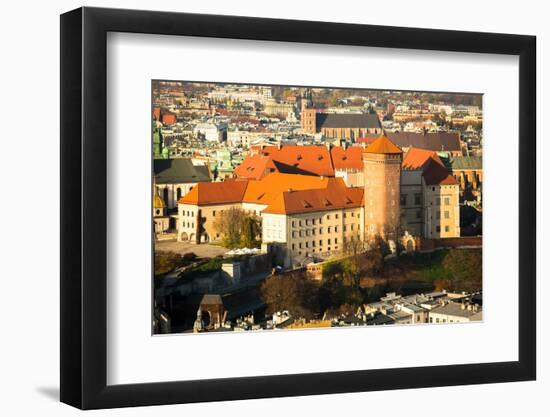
[
  {"x": 157, "y": 142},
  {"x": 382, "y": 171}
]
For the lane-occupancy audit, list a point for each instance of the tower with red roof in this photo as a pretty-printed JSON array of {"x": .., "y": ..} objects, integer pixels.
[{"x": 382, "y": 171}]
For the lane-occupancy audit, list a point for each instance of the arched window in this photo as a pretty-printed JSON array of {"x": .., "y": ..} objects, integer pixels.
[
  {"x": 165, "y": 195},
  {"x": 178, "y": 193}
]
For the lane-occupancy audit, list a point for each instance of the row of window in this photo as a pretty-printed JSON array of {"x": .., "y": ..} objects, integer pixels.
[
  {"x": 256, "y": 212},
  {"x": 438, "y": 228},
  {"x": 189, "y": 224},
  {"x": 418, "y": 200},
  {"x": 320, "y": 250},
  {"x": 312, "y": 244},
  {"x": 319, "y": 220},
  {"x": 330, "y": 229}
]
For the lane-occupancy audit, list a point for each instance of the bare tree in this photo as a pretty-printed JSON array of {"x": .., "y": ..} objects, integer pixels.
[{"x": 238, "y": 228}]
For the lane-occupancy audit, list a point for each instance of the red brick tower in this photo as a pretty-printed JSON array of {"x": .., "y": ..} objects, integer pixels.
[
  {"x": 308, "y": 120},
  {"x": 382, "y": 169}
]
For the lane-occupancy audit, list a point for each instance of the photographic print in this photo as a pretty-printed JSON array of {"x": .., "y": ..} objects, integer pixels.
[{"x": 300, "y": 207}]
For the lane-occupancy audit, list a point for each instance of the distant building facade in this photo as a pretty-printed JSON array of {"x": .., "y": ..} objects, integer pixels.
[
  {"x": 443, "y": 142},
  {"x": 340, "y": 126}
]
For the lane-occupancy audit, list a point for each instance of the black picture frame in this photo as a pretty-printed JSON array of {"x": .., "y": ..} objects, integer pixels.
[{"x": 84, "y": 207}]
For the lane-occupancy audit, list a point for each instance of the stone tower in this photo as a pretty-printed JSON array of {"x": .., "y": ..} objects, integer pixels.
[{"x": 382, "y": 170}]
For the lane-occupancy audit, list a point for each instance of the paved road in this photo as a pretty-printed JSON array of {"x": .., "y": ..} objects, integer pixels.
[{"x": 202, "y": 251}]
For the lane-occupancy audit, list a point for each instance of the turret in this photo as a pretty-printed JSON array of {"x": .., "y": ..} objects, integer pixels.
[{"x": 382, "y": 171}]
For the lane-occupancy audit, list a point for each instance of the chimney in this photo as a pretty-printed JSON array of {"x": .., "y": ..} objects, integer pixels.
[{"x": 279, "y": 146}]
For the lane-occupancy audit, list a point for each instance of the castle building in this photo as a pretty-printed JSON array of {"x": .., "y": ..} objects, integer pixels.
[
  {"x": 429, "y": 196},
  {"x": 329, "y": 196},
  {"x": 382, "y": 175},
  {"x": 441, "y": 202}
]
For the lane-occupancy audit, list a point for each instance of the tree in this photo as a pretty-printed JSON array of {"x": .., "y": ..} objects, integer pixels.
[
  {"x": 464, "y": 267},
  {"x": 373, "y": 262},
  {"x": 353, "y": 246},
  {"x": 290, "y": 292},
  {"x": 238, "y": 228},
  {"x": 250, "y": 232},
  {"x": 331, "y": 294},
  {"x": 351, "y": 270},
  {"x": 394, "y": 227}
]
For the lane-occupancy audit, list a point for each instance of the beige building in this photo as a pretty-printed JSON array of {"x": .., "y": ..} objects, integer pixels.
[
  {"x": 199, "y": 209},
  {"x": 429, "y": 196},
  {"x": 314, "y": 223},
  {"x": 441, "y": 213},
  {"x": 307, "y": 216}
]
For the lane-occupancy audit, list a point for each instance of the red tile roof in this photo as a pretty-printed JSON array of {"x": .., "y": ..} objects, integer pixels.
[
  {"x": 382, "y": 145},
  {"x": 210, "y": 193},
  {"x": 280, "y": 193},
  {"x": 435, "y": 173},
  {"x": 156, "y": 113},
  {"x": 416, "y": 158},
  {"x": 335, "y": 196},
  {"x": 255, "y": 167},
  {"x": 265, "y": 190},
  {"x": 168, "y": 119},
  {"x": 306, "y": 160},
  {"x": 349, "y": 158}
]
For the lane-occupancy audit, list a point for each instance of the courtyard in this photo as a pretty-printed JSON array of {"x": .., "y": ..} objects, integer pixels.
[{"x": 202, "y": 250}]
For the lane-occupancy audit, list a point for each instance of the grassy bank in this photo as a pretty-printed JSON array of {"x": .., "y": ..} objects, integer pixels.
[{"x": 458, "y": 268}]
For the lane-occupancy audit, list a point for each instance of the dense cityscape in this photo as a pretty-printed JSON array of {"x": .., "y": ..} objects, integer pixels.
[{"x": 280, "y": 207}]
